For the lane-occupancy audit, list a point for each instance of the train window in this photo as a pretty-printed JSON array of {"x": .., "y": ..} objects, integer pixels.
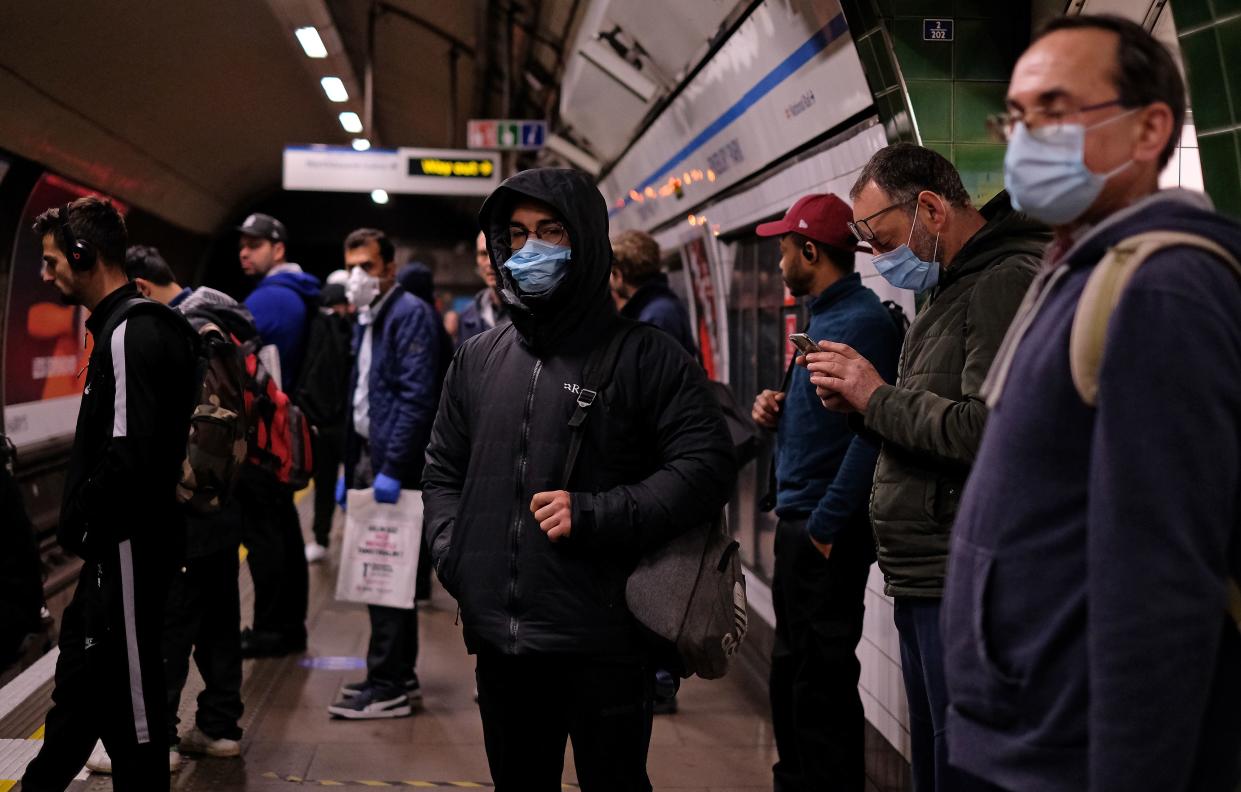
[{"x": 760, "y": 316}]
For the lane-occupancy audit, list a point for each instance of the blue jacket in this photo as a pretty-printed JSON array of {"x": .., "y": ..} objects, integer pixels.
[
  {"x": 1085, "y": 636},
  {"x": 471, "y": 322},
  {"x": 655, "y": 303},
  {"x": 823, "y": 470},
  {"x": 404, "y": 388},
  {"x": 280, "y": 305}
]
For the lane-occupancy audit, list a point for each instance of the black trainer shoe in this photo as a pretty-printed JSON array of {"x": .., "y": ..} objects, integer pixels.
[
  {"x": 412, "y": 689},
  {"x": 264, "y": 643},
  {"x": 369, "y": 704}
]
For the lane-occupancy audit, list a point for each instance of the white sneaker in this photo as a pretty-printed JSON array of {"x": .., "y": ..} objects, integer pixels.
[
  {"x": 315, "y": 552},
  {"x": 101, "y": 764},
  {"x": 99, "y": 761},
  {"x": 196, "y": 742}
]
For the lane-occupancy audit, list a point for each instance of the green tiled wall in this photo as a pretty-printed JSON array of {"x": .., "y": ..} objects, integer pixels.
[
  {"x": 1210, "y": 37},
  {"x": 951, "y": 86}
]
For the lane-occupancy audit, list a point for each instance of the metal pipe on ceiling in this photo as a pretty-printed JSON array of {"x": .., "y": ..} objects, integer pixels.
[{"x": 368, "y": 106}]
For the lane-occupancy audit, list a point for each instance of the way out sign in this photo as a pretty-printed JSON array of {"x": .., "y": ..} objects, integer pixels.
[{"x": 505, "y": 135}]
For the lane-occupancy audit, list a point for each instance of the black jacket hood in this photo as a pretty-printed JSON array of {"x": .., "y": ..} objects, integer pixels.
[
  {"x": 581, "y": 303},
  {"x": 1008, "y": 232}
]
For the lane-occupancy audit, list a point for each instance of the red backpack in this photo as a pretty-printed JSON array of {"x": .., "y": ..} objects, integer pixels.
[{"x": 279, "y": 440}]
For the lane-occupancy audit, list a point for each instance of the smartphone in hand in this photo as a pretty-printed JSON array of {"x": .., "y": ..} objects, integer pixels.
[{"x": 804, "y": 342}]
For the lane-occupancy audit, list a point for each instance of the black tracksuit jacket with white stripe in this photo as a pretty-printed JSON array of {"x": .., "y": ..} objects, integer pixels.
[{"x": 131, "y": 432}]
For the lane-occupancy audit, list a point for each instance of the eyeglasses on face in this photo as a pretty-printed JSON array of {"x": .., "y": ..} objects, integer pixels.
[
  {"x": 862, "y": 230},
  {"x": 550, "y": 231},
  {"x": 1038, "y": 120}
]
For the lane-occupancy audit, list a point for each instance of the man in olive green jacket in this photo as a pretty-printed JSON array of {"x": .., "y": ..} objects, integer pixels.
[{"x": 974, "y": 267}]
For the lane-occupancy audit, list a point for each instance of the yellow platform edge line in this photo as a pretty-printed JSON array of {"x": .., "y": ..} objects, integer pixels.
[
  {"x": 5, "y": 786},
  {"x": 38, "y": 735}
]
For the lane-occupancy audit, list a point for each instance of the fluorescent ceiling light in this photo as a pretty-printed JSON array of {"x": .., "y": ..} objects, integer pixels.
[
  {"x": 351, "y": 122},
  {"x": 335, "y": 89},
  {"x": 361, "y": 144},
  {"x": 379, "y": 196},
  {"x": 311, "y": 43}
]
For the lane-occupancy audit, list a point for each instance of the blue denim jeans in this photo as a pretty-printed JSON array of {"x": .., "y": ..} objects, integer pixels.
[{"x": 922, "y": 664}]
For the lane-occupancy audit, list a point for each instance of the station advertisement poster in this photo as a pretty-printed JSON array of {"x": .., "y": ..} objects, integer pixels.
[
  {"x": 787, "y": 75},
  {"x": 46, "y": 344},
  {"x": 708, "y": 305}
]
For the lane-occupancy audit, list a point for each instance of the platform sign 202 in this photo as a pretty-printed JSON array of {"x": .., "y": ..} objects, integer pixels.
[
  {"x": 937, "y": 30},
  {"x": 505, "y": 135}
]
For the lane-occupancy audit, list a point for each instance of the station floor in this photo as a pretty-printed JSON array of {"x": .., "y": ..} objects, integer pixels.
[{"x": 720, "y": 739}]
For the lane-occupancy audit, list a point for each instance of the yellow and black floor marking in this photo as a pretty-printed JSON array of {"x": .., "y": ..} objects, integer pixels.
[{"x": 327, "y": 782}]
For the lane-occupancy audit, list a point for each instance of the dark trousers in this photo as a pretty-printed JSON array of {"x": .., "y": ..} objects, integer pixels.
[
  {"x": 392, "y": 652},
  {"x": 922, "y": 664},
  {"x": 109, "y": 681},
  {"x": 272, "y": 533},
  {"x": 816, "y": 710},
  {"x": 531, "y": 705},
  {"x": 329, "y": 452},
  {"x": 204, "y": 609}
]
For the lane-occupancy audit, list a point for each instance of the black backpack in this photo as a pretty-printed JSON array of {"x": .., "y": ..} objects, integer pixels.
[
  {"x": 322, "y": 388},
  {"x": 898, "y": 318}
]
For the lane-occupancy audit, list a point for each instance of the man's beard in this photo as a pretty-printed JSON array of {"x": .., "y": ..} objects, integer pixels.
[{"x": 67, "y": 298}]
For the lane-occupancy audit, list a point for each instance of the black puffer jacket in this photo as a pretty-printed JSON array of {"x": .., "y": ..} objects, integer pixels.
[{"x": 656, "y": 458}]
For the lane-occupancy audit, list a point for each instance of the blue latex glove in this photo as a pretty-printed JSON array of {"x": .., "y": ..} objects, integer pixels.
[
  {"x": 340, "y": 492},
  {"x": 387, "y": 489}
]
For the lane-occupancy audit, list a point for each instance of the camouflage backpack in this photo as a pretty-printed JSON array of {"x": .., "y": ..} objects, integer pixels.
[{"x": 219, "y": 426}]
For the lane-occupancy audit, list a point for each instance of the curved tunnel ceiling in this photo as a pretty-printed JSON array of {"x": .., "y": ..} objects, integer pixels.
[{"x": 183, "y": 108}]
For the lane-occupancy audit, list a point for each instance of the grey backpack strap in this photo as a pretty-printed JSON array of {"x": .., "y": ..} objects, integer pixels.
[
  {"x": 1103, "y": 291},
  {"x": 596, "y": 375}
]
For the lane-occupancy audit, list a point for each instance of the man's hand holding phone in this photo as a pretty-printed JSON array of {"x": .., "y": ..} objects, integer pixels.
[{"x": 843, "y": 379}]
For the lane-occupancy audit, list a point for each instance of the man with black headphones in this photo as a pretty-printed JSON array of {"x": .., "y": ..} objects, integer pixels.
[
  {"x": 823, "y": 547},
  {"x": 119, "y": 511}
]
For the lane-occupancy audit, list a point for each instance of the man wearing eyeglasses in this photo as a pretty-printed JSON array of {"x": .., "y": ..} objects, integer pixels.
[
  {"x": 973, "y": 267},
  {"x": 538, "y": 564},
  {"x": 1088, "y": 641}
]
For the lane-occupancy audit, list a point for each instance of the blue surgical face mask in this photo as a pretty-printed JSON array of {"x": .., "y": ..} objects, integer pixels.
[
  {"x": 903, "y": 269},
  {"x": 1045, "y": 173},
  {"x": 538, "y": 267}
]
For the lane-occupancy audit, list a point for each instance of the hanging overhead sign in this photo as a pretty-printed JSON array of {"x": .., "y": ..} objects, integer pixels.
[
  {"x": 415, "y": 171},
  {"x": 505, "y": 135}
]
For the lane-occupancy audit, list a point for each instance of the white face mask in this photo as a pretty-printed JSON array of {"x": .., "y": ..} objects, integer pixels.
[{"x": 361, "y": 288}]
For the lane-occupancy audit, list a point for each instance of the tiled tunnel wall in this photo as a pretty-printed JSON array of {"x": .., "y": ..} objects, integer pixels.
[
  {"x": 1209, "y": 32},
  {"x": 952, "y": 86}
]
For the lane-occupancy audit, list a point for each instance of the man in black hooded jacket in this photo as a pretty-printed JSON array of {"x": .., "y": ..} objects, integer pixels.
[{"x": 539, "y": 568}]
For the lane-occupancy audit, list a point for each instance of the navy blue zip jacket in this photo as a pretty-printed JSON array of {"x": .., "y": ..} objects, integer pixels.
[
  {"x": 404, "y": 388},
  {"x": 824, "y": 471},
  {"x": 281, "y": 304},
  {"x": 655, "y": 303},
  {"x": 1087, "y": 645}
]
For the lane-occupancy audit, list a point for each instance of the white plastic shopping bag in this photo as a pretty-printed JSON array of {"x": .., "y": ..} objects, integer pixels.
[{"x": 379, "y": 556}]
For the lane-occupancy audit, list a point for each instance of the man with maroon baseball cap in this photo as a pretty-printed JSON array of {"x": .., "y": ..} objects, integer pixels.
[{"x": 823, "y": 474}]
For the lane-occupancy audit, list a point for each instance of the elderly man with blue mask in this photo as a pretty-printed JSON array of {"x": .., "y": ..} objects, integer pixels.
[
  {"x": 1089, "y": 643},
  {"x": 972, "y": 267}
]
